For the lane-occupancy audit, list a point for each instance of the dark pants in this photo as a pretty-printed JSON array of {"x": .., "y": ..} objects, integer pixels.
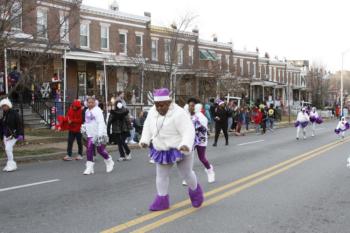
[
  {"x": 218, "y": 128},
  {"x": 122, "y": 146},
  {"x": 71, "y": 137}
]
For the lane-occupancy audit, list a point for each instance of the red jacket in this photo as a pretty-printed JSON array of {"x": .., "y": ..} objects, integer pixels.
[
  {"x": 73, "y": 120},
  {"x": 258, "y": 117}
]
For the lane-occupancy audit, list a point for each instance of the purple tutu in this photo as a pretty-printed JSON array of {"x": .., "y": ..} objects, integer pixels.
[
  {"x": 347, "y": 126},
  {"x": 312, "y": 119},
  {"x": 165, "y": 157},
  {"x": 302, "y": 124},
  {"x": 319, "y": 120}
]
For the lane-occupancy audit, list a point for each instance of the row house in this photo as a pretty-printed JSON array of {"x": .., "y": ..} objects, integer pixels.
[{"x": 103, "y": 51}]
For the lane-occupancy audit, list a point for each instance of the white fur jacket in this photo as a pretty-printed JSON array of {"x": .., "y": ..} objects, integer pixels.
[
  {"x": 173, "y": 130},
  {"x": 95, "y": 125}
]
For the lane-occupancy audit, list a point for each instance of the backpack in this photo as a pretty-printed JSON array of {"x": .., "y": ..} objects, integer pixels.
[{"x": 271, "y": 112}]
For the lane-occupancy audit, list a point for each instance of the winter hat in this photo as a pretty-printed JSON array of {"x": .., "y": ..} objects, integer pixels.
[
  {"x": 5, "y": 101},
  {"x": 219, "y": 102},
  {"x": 162, "y": 94}
]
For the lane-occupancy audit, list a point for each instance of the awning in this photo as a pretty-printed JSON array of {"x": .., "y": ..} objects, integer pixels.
[
  {"x": 263, "y": 83},
  {"x": 207, "y": 55}
]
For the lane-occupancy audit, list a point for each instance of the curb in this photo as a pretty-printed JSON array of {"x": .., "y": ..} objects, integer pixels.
[{"x": 59, "y": 155}]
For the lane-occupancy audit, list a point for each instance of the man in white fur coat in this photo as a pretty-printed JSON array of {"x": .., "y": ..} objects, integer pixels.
[{"x": 170, "y": 134}]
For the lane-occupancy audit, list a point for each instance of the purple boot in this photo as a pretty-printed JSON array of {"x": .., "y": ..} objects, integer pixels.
[
  {"x": 196, "y": 196},
  {"x": 160, "y": 203}
]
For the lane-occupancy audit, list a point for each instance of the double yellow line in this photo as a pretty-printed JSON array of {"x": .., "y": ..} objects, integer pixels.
[{"x": 225, "y": 192}]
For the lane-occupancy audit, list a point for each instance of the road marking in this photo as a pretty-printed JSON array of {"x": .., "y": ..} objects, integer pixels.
[
  {"x": 28, "y": 185},
  {"x": 229, "y": 193},
  {"x": 248, "y": 143},
  {"x": 181, "y": 204}
]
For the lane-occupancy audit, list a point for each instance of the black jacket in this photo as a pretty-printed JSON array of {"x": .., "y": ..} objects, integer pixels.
[
  {"x": 221, "y": 113},
  {"x": 10, "y": 124},
  {"x": 120, "y": 122}
]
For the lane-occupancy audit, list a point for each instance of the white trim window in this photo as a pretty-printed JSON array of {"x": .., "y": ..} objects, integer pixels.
[
  {"x": 123, "y": 42},
  {"x": 241, "y": 66},
  {"x": 154, "y": 46},
  {"x": 219, "y": 56},
  {"x": 167, "y": 51},
  {"x": 260, "y": 71},
  {"x": 139, "y": 44},
  {"x": 190, "y": 55},
  {"x": 85, "y": 34},
  {"x": 105, "y": 36},
  {"x": 16, "y": 16},
  {"x": 227, "y": 59},
  {"x": 254, "y": 69},
  {"x": 64, "y": 26},
  {"x": 180, "y": 54},
  {"x": 235, "y": 65},
  {"x": 270, "y": 73},
  {"x": 41, "y": 21},
  {"x": 248, "y": 68}
]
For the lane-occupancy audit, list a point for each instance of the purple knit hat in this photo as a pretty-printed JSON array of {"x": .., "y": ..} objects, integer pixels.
[
  {"x": 219, "y": 102},
  {"x": 162, "y": 94}
]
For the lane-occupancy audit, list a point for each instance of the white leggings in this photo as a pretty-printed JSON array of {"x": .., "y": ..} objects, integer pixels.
[
  {"x": 298, "y": 131},
  {"x": 185, "y": 170},
  {"x": 313, "y": 128},
  {"x": 9, "y": 144}
]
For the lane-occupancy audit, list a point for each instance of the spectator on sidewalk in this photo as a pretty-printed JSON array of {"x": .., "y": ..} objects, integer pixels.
[
  {"x": 263, "y": 119},
  {"x": 11, "y": 131},
  {"x": 118, "y": 128},
  {"x": 257, "y": 117},
  {"x": 213, "y": 106},
  {"x": 221, "y": 122},
  {"x": 72, "y": 122},
  {"x": 271, "y": 116},
  {"x": 138, "y": 124},
  {"x": 207, "y": 114},
  {"x": 246, "y": 118},
  {"x": 120, "y": 97}
]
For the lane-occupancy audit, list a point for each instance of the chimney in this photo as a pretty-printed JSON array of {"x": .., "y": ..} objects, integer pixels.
[
  {"x": 147, "y": 14},
  {"x": 173, "y": 26},
  {"x": 114, "y": 6},
  {"x": 215, "y": 38},
  {"x": 195, "y": 29}
]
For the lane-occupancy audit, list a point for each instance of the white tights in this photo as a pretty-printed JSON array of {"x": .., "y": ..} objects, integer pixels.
[
  {"x": 313, "y": 128},
  {"x": 185, "y": 170},
  {"x": 9, "y": 144},
  {"x": 298, "y": 131}
]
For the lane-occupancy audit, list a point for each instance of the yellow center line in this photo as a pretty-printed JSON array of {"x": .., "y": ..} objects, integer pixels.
[
  {"x": 181, "y": 204},
  {"x": 229, "y": 193}
]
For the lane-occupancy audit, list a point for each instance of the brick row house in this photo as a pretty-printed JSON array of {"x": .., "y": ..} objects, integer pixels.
[{"x": 93, "y": 48}]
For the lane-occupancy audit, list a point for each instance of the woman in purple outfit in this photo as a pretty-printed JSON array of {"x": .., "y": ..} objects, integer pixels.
[{"x": 170, "y": 134}]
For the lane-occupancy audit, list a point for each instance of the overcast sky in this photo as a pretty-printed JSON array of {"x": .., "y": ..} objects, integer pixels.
[{"x": 318, "y": 30}]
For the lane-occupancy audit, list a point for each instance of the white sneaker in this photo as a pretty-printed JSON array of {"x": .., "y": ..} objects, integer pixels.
[
  {"x": 348, "y": 165},
  {"x": 121, "y": 159},
  {"x": 128, "y": 157},
  {"x": 109, "y": 164},
  {"x": 184, "y": 183},
  {"x": 132, "y": 142},
  {"x": 79, "y": 157},
  {"x": 89, "y": 168},
  {"x": 151, "y": 161},
  {"x": 5, "y": 168},
  {"x": 211, "y": 174},
  {"x": 11, "y": 166}
]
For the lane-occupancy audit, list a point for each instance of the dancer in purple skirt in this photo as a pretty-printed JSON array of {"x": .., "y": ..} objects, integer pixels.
[
  {"x": 342, "y": 126},
  {"x": 302, "y": 122},
  {"x": 170, "y": 134},
  {"x": 314, "y": 119},
  {"x": 95, "y": 130}
]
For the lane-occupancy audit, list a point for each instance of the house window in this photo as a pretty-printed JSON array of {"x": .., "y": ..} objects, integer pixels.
[
  {"x": 248, "y": 68},
  {"x": 260, "y": 71},
  {"x": 16, "y": 16},
  {"x": 85, "y": 35},
  {"x": 123, "y": 44},
  {"x": 241, "y": 66},
  {"x": 227, "y": 59},
  {"x": 219, "y": 56},
  {"x": 64, "y": 27},
  {"x": 154, "y": 49},
  {"x": 139, "y": 45},
  {"x": 191, "y": 54},
  {"x": 167, "y": 51},
  {"x": 104, "y": 37},
  {"x": 180, "y": 54},
  {"x": 254, "y": 69},
  {"x": 270, "y": 73},
  {"x": 41, "y": 21}
]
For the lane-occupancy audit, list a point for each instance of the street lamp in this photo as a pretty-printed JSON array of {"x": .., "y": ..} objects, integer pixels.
[{"x": 341, "y": 81}]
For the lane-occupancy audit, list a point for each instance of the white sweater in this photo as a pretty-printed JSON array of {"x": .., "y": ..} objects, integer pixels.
[
  {"x": 95, "y": 126},
  {"x": 173, "y": 130},
  {"x": 303, "y": 117},
  {"x": 314, "y": 114},
  {"x": 341, "y": 125}
]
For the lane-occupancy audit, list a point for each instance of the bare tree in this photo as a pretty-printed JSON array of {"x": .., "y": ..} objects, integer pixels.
[
  {"x": 32, "y": 36},
  {"x": 318, "y": 82}
]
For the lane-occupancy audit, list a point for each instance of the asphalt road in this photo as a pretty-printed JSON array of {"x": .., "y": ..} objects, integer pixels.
[{"x": 270, "y": 183}]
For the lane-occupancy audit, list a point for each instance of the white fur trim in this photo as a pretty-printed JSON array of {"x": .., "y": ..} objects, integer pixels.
[
  {"x": 5, "y": 102},
  {"x": 161, "y": 98}
]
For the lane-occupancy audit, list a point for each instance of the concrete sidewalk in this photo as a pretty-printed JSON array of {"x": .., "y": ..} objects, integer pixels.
[{"x": 37, "y": 149}]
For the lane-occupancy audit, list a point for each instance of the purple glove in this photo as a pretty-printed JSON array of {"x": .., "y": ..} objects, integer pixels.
[{"x": 20, "y": 138}]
